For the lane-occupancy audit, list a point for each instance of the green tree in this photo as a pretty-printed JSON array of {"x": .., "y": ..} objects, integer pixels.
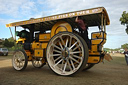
[
  {"x": 124, "y": 46},
  {"x": 11, "y": 39},
  {"x": 7, "y": 43},
  {"x": 124, "y": 20}
]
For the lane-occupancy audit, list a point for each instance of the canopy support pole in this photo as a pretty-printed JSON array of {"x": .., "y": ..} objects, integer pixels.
[
  {"x": 15, "y": 33},
  {"x": 102, "y": 22},
  {"x": 105, "y": 25},
  {"x": 11, "y": 32}
]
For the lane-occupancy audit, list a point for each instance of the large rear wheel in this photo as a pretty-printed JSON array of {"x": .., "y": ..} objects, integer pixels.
[{"x": 67, "y": 53}]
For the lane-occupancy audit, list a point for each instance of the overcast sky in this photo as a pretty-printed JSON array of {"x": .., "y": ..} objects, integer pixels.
[{"x": 17, "y": 10}]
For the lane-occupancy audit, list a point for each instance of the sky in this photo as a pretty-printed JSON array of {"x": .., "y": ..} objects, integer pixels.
[{"x": 19, "y": 10}]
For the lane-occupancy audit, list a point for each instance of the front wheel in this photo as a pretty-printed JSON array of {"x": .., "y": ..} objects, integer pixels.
[
  {"x": 19, "y": 60},
  {"x": 6, "y": 54},
  {"x": 67, "y": 53}
]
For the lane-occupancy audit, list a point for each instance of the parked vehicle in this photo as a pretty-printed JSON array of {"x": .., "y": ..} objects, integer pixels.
[{"x": 3, "y": 51}]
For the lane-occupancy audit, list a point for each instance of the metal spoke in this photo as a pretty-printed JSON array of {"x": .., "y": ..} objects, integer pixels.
[
  {"x": 60, "y": 45},
  {"x": 73, "y": 59},
  {"x": 22, "y": 63},
  {"x": 76, "y": 47},
  {"x": 57, "y": 58},
  {"x": 20, "y": 57},
  {"x": 38, "y": 63},
  {"x": 72, "y": 45},
  {"x": 55, "y": 55},
  {"x": 57, "y": 51},
  {"x": 58, "y": 62},
  {"x": 77, "y": 56},
  {"x": 34, "y": 61},
  {"x": 76, "y": 52},
  {"x": 19, "y": 64},
  {"x": 69, "y": 64},
  {"x": 70, "y": 42},
  {"x": 16, "y": 64},
  {"x": 15, "y": 60},
  {"x": 57, "y": 47},
  {"x": 65, "y": 65},
  {"x": 72, "y": 64},
  {"x": 62, "y": 41},
  {"x": 66, "y": 43},
  {"x": 62, "y": 64}
]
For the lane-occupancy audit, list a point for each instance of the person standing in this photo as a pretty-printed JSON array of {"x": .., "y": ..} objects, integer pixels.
[
  {"x": 126, "y": 55},
  {"x": 83, "y": 29}
]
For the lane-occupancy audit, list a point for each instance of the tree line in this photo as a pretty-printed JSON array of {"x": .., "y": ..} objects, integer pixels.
[{"x": 10, "y": 44}]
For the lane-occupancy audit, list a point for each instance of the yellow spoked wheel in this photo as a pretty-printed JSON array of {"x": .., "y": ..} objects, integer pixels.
[
  {"x": 19, "y": 60},
  {"x": 67, "y": 53}
]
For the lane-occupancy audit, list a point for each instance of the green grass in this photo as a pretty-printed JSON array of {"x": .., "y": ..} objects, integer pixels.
[
  {"x": 117, "y": 60},
  {"x": 6, "y": 57}
]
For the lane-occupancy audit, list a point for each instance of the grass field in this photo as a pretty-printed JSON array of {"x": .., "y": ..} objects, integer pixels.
[{"x": 107, "y": 73}]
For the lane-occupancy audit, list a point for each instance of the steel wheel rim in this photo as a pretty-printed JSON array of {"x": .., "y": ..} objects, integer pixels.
[
  {"x": 69, "y": 59},
  {"x": 18, "y": 60}
]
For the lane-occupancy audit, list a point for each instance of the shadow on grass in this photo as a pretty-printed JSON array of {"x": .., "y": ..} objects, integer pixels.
[{"x": 6, "y": 57}]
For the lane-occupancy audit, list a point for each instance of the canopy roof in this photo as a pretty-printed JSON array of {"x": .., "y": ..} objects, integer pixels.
[{"x": 91, "y": 16}]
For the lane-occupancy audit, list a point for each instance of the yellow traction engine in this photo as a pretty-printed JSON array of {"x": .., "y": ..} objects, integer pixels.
[{"x": 57, "y": 42}]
